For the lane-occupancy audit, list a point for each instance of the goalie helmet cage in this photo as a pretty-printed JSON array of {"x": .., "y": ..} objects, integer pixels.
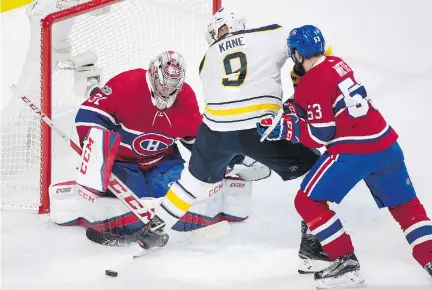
[{"x": 124, "y": 34}]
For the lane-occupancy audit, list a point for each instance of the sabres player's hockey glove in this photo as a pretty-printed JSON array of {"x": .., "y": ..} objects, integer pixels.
[{"x": 286, "y": 129}]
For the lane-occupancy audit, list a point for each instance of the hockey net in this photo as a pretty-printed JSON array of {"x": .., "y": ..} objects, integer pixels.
[{"x": 124, "y": 35}]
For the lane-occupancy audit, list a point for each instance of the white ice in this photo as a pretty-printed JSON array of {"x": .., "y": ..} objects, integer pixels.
[{"x": 388, "y": 43}]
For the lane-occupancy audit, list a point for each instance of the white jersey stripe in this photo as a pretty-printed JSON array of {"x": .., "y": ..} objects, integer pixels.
[{"x": 383, "y": 131}]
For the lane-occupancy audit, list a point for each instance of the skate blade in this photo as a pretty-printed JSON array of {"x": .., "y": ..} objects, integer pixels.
[
  {"x": 143, "y": 252},
  {"x": 201, "y": 235},
  {"x": 310, "y": 266},
  {"x": 347, "y": 280},
  {"x": 208, "y": 233}
]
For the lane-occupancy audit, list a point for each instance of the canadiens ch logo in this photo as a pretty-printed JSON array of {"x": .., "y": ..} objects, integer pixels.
[
  {"x": 172, "y": 70},
  {"x": 151, "y": 144}
]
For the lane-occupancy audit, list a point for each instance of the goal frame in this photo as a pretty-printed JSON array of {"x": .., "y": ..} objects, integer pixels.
[{"x": 46, "y": 89}]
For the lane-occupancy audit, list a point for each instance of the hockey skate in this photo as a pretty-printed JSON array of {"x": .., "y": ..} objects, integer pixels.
[
  {"x": 312, "y": 256},
  {"x": 344, "y": 272},
  {"x": 152, "y": 237}
]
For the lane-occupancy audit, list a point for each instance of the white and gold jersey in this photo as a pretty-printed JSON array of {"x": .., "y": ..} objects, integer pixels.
[{"x": 241, "y": 77}]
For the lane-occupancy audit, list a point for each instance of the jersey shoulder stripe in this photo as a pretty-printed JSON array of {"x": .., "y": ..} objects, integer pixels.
[
  {"x": 259, "y": 29},
  {"x": 266, "y": 28}
]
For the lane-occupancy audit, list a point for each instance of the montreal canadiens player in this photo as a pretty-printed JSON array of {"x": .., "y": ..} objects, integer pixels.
[
  {"x": 137, "y": 117},
  {"x": 332, "y": 109},
  {"x": 247, "y": 88}
]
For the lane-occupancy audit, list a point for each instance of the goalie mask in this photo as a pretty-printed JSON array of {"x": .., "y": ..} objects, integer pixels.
[
  {"x": 165, "y": 76},
  {"x": 221, "y": 18}
]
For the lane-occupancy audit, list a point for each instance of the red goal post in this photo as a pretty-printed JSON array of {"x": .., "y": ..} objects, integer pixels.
[{"x": 123, "y": 38}]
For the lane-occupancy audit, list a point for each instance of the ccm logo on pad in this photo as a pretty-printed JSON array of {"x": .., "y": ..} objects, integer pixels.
[{"x": 239, "y": 185}]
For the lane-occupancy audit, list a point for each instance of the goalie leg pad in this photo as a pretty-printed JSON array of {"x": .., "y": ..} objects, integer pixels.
[
  {"x": 237, "y": 197},
  {"x": 104, "y": 213},
  {"x": 182, "y": 194},
  {"x": 75, "y": 205},
  {"x": 232, "y": 205}
]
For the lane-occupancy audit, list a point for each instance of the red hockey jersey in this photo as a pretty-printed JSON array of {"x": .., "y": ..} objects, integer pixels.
[
  {"x": 148, "y": 134},
  {"x": 338, "y": 113}
]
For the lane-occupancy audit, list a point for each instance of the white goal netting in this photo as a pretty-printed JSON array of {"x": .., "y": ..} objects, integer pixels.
[{"x": 125, "y": 37}]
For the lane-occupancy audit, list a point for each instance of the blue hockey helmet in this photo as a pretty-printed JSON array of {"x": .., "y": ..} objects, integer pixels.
[{"x": 307, "y": 40}]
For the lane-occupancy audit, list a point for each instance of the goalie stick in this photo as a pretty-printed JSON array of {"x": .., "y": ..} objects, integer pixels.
[{"x": 116, "y": 186}]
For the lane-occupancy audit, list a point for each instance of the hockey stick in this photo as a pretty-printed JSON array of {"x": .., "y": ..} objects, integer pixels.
[{"x": 116, "y": 186}]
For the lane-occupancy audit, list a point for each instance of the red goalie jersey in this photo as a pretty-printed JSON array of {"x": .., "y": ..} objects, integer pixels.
[
  {"x": 124, "y": 105},
  {"x": 339, "y": 114}
]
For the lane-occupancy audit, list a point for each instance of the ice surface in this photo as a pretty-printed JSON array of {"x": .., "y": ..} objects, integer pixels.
[{"x": 388, "y": 44}]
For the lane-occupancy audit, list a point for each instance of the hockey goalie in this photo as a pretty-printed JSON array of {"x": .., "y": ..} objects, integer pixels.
[{"x": 130, "y": 127}]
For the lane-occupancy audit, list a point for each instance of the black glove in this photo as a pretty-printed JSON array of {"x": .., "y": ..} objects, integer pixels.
[{"x": 296, "y": 73}]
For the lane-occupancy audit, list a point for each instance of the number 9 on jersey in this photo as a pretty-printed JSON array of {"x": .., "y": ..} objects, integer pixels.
[{"x": 235, "y": 65}]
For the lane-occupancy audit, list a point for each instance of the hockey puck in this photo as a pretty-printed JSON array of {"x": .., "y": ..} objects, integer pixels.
[{"x": 111, "y": 273}]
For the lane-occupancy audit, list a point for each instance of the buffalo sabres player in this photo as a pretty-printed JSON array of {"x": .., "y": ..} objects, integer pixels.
[
  {"x": 130, "y": 127},
  {"x": 241, "y": 77}
]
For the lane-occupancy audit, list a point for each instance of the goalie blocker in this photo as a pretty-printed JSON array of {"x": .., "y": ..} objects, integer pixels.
[{"x": 88, "y": 203}]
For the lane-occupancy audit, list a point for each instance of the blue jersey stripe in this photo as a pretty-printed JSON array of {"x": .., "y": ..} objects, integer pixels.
[
  {"x": 86, "y": 116},
  {"x": 418, "y": 233},
  {"x": 340, "y": 105},
  {"x": 330, "y": 231},
  {"x": 323, "y": 134}
]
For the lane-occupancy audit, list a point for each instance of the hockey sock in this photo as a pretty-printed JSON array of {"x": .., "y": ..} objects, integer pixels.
[
  {"x": 417, "y": 228},
  {"x": 325, "y": 225}
]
